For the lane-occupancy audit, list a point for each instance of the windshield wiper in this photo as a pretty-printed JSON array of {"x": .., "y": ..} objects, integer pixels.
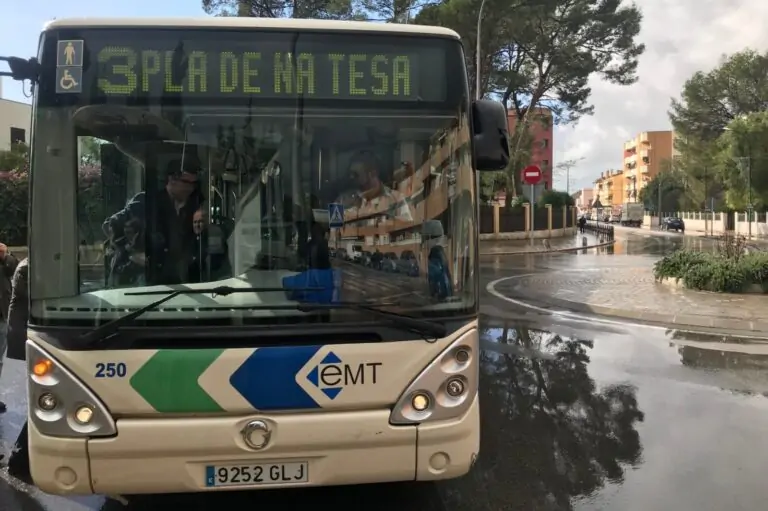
[
  {"x": 108, "y": 329},
  {"x": 420, "y": 326}
]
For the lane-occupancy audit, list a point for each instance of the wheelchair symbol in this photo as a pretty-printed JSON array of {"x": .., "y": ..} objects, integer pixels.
[{"x": 67, "y": 81}]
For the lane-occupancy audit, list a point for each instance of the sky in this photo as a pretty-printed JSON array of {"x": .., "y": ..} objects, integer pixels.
[{"x": 681, "y": 37}]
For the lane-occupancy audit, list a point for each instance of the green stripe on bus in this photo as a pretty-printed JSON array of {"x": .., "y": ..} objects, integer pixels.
[{"x": 168, "y": 381}]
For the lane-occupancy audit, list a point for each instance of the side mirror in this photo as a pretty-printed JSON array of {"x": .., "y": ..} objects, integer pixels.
[{"x": 491, "y": 135}]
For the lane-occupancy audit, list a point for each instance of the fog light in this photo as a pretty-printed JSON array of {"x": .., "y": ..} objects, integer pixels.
[
  {"x": 420, "y": 402},
  {"x": 47, "y": 402},
  {"x": 454, "y": 387},
  {"x": 84, "y": 414},
  {"x": 462, "y": 356}
]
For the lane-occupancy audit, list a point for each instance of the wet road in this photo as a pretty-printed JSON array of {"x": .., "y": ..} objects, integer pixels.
[{"x": 575, "y": 415}]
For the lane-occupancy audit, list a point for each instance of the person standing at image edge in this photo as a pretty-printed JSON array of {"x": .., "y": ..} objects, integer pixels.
[{"x": 8, "y": 264}]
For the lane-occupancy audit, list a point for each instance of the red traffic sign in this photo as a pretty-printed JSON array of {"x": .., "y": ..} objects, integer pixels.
[{"x": 532, "y": 175}]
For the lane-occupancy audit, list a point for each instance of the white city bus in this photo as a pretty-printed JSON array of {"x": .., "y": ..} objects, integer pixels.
[{"x": 162, "y": 358}]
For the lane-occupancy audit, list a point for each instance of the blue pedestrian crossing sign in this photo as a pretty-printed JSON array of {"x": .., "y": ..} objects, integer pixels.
[{"x": 335, "y": 215}]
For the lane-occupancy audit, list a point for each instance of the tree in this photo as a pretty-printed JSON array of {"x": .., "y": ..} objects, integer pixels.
[
  {"x": 555, "y": 46},
  {"x": 542, "y": 53},
  {"x": 672, "y": 192},
  {"x": 556, "y": 198},
  {"x": 744, "y": 161},
  {"x": 709, "y": 103},
  {"x": 321, "y": 9}
]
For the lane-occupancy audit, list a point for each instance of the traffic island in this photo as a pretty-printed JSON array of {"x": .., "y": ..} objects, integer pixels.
[
  {"x": 731, "y": 269},
  {"x": 632, "y": 293}
]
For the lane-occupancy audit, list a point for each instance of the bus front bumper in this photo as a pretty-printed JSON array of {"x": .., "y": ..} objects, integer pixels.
[{"x": 168, "y": 455}]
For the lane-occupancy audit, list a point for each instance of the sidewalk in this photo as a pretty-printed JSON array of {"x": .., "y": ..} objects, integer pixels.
[
  {"x": 508, "y": 247},
  {"x": 630, "y": 292},
  {"x": 655, "y": 231}
]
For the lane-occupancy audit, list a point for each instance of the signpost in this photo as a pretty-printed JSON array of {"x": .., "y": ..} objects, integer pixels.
[{"x": 532, "y": 176}]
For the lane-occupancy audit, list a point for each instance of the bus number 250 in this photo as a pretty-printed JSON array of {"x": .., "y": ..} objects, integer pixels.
[{"x": 111, "y": 370}]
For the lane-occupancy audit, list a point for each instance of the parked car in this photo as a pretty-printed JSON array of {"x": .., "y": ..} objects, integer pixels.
[
  {"x": 672, "y": 223},
  {"x": 365, "y": 259},
  {"x": 389, "y": 262},
  {"x": 376, "y": 259},
  {"x": 357, "y": 254},
  {"x": 408, "y": 263}
]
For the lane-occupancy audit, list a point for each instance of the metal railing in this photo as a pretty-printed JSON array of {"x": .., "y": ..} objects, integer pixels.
[{"x": 602, "y": 230}]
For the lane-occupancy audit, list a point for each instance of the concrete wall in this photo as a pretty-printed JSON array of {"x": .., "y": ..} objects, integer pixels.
[
  {"x": 540, "y": 232},
  {"x": 714, "y": 223},
  {"x": 14, "y": 115}
]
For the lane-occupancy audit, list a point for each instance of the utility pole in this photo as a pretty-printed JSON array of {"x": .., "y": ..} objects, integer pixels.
[
  {"x": 567, "y": 165},
  {"x": 706, "y": 212},
  {"x": 658, "y": 185},
  {"x": 742, "y": 160}
]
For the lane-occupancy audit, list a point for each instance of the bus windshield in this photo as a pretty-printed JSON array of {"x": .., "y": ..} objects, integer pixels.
[{"x": 167, "y": 158}]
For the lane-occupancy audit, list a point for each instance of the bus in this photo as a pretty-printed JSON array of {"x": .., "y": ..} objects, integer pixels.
[{"x": 184, "y": 334}]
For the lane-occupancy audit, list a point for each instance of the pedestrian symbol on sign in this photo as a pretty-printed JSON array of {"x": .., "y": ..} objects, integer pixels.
[{"x": 336, "y": 215}]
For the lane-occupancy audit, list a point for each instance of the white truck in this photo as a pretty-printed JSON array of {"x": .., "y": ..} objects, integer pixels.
[{"x": 632, "y": 214}]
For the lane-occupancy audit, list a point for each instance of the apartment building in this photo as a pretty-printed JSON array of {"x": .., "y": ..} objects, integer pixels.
[
  {"x": 542, "y": 130},
  {"x": 583, "y": 198},
  {"x": 15, "y": 121},
  {"x": 609, "y": 188},
  {"x": 644, "y": 157}
]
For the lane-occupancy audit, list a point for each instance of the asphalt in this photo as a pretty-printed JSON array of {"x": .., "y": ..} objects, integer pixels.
[
  {"x": 577, "y": 414},
  {"x": 624, "y": 287}
]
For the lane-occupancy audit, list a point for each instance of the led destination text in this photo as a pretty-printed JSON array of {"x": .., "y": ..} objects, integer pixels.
[{"x": 125, "y": 71}]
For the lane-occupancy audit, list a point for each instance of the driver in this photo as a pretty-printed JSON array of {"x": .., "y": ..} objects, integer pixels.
[
  {"x": 168, "y": 226},
  {"x": 364, "y": 172}
]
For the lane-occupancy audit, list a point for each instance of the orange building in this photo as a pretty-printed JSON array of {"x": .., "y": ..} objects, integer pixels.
[{"x": 644, "y": 157}]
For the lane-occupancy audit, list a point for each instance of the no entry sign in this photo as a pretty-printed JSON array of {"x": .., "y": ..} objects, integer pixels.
[{"x": 532, "y": 175}]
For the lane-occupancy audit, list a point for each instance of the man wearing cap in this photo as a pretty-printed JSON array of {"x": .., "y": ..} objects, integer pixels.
[{"x": 168, "y": 219}]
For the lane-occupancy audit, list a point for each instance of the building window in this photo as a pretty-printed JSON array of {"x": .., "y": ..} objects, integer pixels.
[
  {"x": 18, "y": 136},
  {"x": 545, "y": 164},
  {"x": 545, "y": 143}
]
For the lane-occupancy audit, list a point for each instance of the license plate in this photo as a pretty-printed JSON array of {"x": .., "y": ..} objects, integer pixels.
[{"x": 249, "y": 474}]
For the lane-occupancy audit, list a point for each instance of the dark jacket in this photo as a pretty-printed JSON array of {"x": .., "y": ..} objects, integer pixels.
[
  {"x": 7, "y": 267},
  {"x": 18, "y": 312},
  {"x": 158, "y": 218}
]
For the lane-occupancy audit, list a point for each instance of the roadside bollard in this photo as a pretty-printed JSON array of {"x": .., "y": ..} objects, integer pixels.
[{"x": 583, "y": 241}]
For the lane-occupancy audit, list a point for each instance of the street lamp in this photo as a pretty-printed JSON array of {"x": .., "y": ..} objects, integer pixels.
[{"x": 478, "y": 95}]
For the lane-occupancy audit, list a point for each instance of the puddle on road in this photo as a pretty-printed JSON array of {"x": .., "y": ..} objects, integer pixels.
[{"x": 592, "y": 416}]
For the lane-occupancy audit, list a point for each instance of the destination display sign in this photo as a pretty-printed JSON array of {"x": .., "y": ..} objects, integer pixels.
[{"x": 260, "y": 65}]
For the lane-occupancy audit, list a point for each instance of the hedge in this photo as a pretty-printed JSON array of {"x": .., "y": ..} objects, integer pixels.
[
  {"x": 715, "y": 271},
  {"x": 14, "y": 206}
]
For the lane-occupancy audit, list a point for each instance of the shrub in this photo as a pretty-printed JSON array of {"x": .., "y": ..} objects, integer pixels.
[
  {"x": 728, "y": 272},
  {"x": 676, "y": 264}
]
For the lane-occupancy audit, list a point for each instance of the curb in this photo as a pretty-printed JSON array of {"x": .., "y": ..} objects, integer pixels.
[
  {"x": 673, "y": 320},
  {"x": 567, "y": 249}
]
